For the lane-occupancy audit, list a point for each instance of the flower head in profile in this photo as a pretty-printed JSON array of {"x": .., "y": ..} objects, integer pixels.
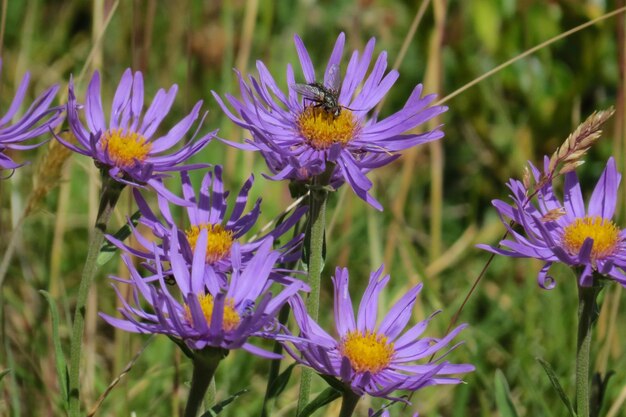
[
  {"x": 127, "y": 147},
  {"x": 39, "y": 119},
  {"x": 325, "y": 123},
  {"x": 198, "y": 311},
  {"x": 206, "y": 211},
  {"x": 372, "y": 357},
  {"x": 579, "y": 235}
]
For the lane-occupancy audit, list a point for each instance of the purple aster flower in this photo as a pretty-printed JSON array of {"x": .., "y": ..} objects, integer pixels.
[
  {"x": 582, "y": 237},
  {"x": 316, "y": 123},
  {"x": 127, "y": 148},
  {"x": 38, "y": 119},
  {"x": 208, "y": 315},
  {"x": 370, "y": 357},
  {"x": 207, "y": 211}
]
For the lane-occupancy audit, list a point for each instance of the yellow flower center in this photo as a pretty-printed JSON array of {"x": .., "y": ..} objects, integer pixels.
[
  {"x": 218, "y": 243},
  {"x": 604, "y": 232},
  {"x": 321, "y": 129},
  {"x": 231, "y": 317},
  {"x": 125, "y": 148},
  {"x": 367, "y": 352}
]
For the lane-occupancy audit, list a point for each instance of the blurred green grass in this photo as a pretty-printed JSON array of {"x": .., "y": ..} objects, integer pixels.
[{"x": 492, "y": 129}]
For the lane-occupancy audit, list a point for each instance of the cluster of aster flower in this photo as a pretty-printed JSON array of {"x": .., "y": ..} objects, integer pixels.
[
  {"x": 204, "y": 284},
  {"x": 223, "y": 284},
  {"x": 209, "y": 287}
]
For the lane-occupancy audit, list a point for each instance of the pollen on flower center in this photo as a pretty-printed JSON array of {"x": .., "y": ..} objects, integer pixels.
[
  {"x": 125, "y": 148},
  {"x": 231, "y": 317},
  {"x": 369, "y": 352},
  {"x": 604, "y": 232},
  {"x": 218, "y": 243},
  {"x": 321, "y": 129}
]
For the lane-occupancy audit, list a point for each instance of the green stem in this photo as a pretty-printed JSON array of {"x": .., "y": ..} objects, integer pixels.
[
  {"x": 204, "y": 366},
  {"x": 348, "y": 403},
  {"x": 315, "y": 226},
  {"x": 111, "y": 191},
  {"x": 587, "y": 315},
  {"x": 273, "y": 373}
]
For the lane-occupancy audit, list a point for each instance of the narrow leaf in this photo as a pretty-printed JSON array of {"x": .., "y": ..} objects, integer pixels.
[
  {"x": 59, "y": 356},
  {"x": 325, "y": 397},
  {"x": 3, "y": 373},
  {"x": 218, "y": 408},
  {"x": 504, "y": 402},
  {"x": 278, "y": 385},
  {"x": 557, "y": 386}
]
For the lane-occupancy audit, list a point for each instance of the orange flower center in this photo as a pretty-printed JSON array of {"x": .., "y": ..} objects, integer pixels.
[
  {"x": 218, "y": 243},
  {"x": 369, "y": 352},
  {"x": 231, "y": 317},
  {"x": 125, "y": 148},
  {"x": 321, "y": 129},
  {"x": 604, "y": 232}
]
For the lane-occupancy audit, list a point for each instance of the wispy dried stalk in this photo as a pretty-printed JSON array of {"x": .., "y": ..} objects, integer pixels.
[
  {"x": 569, "y": 155},
  {"x": 117, "y": 379},
  {"x": 48, "y": 173},
  {"x": 47, "y": 177}
]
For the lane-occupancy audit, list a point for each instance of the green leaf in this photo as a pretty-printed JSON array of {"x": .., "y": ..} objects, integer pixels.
[
  {"x": 333, "y": 382},
  {"x": 59, "y": 356},
  {"x": 278, "y": 385},
  {"x": 218, "y": 408},
  {"x": 108, "y": 249},
  {"x": 557, "y": 386},
  {"x": 3, "y": 373},
  {"x": 598, "y": 391},
  {"x": 325, "y": 397},
  {"x": 504, "y": 402}
]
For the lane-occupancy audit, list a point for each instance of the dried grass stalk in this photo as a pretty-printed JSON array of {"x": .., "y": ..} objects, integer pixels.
[
  {"x": 569, "y": 154},
  {"x": 48, "y": 173}
]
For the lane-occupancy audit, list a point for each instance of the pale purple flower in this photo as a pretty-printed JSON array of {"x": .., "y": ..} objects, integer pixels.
[
  {"x": 127, "y": 147},
  {"x": 39, "y": 119},
  {"x": 299, "y": 136},
  {"x": 197, "y": 310},
  {"x": 578, "y": 235},
  {"x": 207, "y": 210},
  {"x": 372, "y": 357}
]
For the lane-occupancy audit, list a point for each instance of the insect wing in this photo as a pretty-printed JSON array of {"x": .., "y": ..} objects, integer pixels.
[
  {"x": 333, "y": 78},
  {"x": 310, "y": 92}
]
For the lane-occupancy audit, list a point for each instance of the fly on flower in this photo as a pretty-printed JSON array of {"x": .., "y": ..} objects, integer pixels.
[
  {"x": 330, "y": 127},
  {"x": 325, "y": 96}
]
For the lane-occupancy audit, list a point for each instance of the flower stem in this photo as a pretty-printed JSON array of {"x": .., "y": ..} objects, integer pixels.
[
  {"x": 204, "y": 366},
  {"x": 348, "y": 403},
  {"x": 110, "y": 193},
  {"x": 587, "y": 315},
  {"x": 315, "y": 231},
  {"x": 274, "y": 371}
]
